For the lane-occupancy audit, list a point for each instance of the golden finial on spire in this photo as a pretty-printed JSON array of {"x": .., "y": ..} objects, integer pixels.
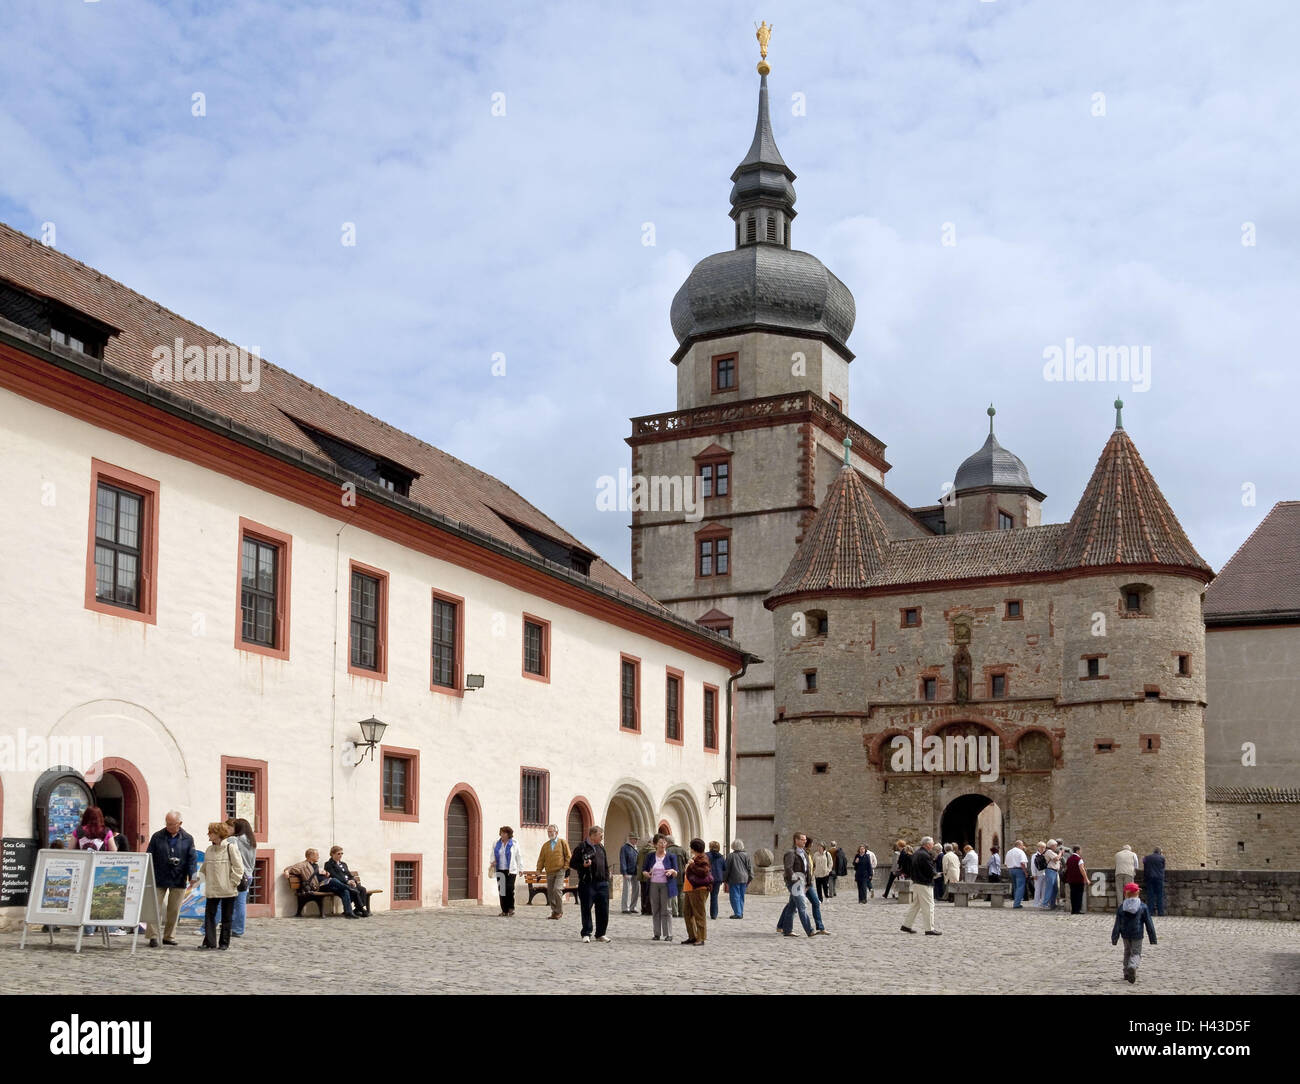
[{"x": 764, "y": 35}]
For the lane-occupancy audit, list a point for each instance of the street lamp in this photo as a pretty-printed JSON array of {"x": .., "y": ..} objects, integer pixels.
[
  {"x": 372, "y": 731},
  {"x": 719, "y": 792}
]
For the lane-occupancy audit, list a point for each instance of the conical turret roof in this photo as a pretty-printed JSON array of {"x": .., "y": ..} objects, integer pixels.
[
  {"x": 846, "y": 545},
  {"x": 1123, "y": 518}
]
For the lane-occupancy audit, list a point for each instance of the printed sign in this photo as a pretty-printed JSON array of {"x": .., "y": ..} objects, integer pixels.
[
  {"x": 58, "y": 891},
  {"x": 117, "y": 888},
  {"x": 17, "y": 857},
  {"x": 246, "y": 806},
  {"x": 195, "y": 903}
]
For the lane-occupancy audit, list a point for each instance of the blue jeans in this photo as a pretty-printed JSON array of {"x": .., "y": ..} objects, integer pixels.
[
  {"x": 736, "y": 893},
  {"x": 786, "y": 922},
  {"x": 1051, "y": 889},
  {"x": 1155, "y": 887},
  {"x": 241, "y": 912},
  {"x": 1017, "y": 887},
  {"x": 713, "y": 899}
]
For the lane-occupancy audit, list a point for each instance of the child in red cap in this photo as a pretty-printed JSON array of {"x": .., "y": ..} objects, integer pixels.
[{"x": 1130, "y": 921}]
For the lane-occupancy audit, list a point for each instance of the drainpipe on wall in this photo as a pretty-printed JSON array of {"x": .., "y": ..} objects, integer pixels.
[
  {"x": 728, "y": 829},
  {"x": 334, "y": 672}
]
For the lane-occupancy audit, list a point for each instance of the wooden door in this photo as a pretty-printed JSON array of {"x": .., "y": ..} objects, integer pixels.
[{"x": 458, "y": 827}]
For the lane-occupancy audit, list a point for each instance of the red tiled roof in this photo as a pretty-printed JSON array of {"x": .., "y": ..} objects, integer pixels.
[
  {"x": 1263, "y": 576},
  {"x": 846, "y": 546},
  {"x": 1123, "y": 518},
  {"x": 445, "y": 485}
]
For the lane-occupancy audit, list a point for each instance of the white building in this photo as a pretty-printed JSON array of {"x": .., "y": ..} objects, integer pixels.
[{"x": 206, "y": 589}]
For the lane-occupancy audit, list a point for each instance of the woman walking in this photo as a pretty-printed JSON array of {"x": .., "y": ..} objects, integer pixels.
[
  {"x": 739, "y": 872},
  {"x": 822, "y": 867},
  {"x": 506, "y": 866},
  {"x": 659, "y": 873},
  {"x": 222, "y": 871},
  {"x": 862, "y": 872},
  {"x": 1076, "y": 876},
  {"x": 896, "y": 870},
  {"x": 695, "y": 905},
  {"x": 243, "y": 838}
]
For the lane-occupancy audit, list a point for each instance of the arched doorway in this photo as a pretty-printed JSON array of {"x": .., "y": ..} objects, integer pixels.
[
  {"x": 629, "y": 812},
  {"x": 578, "y": 821},
  {"x": 972, "y": 818},
  {"x": 682, "y": 813},
  {"x": 121, "y": 792},
  {"x": 59, "y": 799},
  {"x": 463, "y": 831}
]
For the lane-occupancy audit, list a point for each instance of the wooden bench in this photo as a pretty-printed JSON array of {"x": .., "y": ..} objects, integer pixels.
[
  {"x": 536, "y": 883},
  {"x": 305, "y": 896},
  {"x": 962, "y": 891}
]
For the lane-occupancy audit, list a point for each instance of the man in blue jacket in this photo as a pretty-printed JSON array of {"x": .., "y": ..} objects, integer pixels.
[
  {"x": 628, "y": 868},
  {"x": 175, "y": 869},
  {"x": 1153, "y": 876},
  {"x": 1131, "y": 920},
  {"x": 718, "y": 867}
]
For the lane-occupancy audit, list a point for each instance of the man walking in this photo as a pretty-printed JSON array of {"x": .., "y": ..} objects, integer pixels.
[
  {"x": 798, "y": 878},
  {"x": 630, "y": 872},
  {"x": 922, "y": 888},
  {"x": 174, "y": 870},
  {"x": 718, "y": 870},
  {"x": 1016, "y": 864},
  {"x": 553, "y": 860},
  {"x": 1153, "y": 878},
  {"x": 739, "y": 871},
  {"x": 839, "y": 865},
  {"x": 1126, "y": 864},
  {"x": 592, "y": 864}
]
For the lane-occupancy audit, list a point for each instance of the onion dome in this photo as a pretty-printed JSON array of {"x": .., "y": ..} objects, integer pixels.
[{"x": 994, "y": 466}]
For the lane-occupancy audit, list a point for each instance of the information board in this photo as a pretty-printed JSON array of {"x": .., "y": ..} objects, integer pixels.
[
  {"x": 120, "y": 881},
  {"x": 17, "y": 857},
  {"x": 79, "y": 889},
  {"x": 58, "y": 889}
]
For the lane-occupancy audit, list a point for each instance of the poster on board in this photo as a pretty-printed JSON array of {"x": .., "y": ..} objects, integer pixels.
[
  {"x": 118, "y": 884},
  {"x": 246, "y": 806},
  {"x": 58, "y": 892},
  {"x": 194, "y": 905}
]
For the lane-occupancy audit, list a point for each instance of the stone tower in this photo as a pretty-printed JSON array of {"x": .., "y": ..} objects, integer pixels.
[{"x": 762, "y": 400}]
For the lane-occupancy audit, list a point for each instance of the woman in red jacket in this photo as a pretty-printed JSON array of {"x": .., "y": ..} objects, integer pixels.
[{"x": 1076, "y": 876}]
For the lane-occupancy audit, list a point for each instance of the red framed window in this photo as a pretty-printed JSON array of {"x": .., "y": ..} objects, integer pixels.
[
  {"x": 399, "y": 787},
  {"x": 837, "y": 404},
  {"x": 713, "y": 553},
  {"x": 262, "y": 599},
  {"x": 629, "y": 692},
  {"x": 534, "y": 797},
  {"x": 910, "y": 617},
  {"x": 997, "y": 685},
  {"x": 725, "y": 372},
  {"x": 122, "y": 547},
  {"x": 710, "y": 718},
  {"x": 447, "y": 674},
  {"x": 368, "y": 622},
  {"x": 244, "y": 793},
  {"x": 261, "y": 893},
  {"x": 537, "y": 648},
  {"x": 407, "y": 881},
  {"x": 1015, "y": 610},
  {"x": 929, "y": 688},
  {"x": 673, "y": 706}
]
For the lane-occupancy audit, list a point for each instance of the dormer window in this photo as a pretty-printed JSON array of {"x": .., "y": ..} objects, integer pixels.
[
  {"x": 66, "y": 326},
  {"x": 1135, "y": 600},
  {"x": 65, "y": 339}
]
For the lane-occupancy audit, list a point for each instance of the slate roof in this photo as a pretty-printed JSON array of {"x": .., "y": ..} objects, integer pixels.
[
  {"x": 1124, "y": 519},
  {"x": 845, "y": 548},
  {"x": 1243, "y": 795},
  {"x": 992, "y": 465},
  {"x": 1263, "y": 577},
  {"x": 444, "y": 485}
]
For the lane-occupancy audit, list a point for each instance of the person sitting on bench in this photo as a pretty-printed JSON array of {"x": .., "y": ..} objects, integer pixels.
[
  {"x": 313, "y": 880},
  {"x": 338, "y": 869}
]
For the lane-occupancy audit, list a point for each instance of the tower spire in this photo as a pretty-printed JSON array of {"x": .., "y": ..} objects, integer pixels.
[
  {"x": 991, "y": 412},
  {"x": 762, "y": 195}
]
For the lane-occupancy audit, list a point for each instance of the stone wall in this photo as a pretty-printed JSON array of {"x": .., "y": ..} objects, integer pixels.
[
  {"x": 1233, "y": 893},
  {"x": 1253, "y": 835}
]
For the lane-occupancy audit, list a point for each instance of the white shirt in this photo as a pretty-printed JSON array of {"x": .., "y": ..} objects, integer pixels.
[
  {"x": 970, "y": 862},
  {"x": 1016, "y": 859},
  {"x": 872, "y": 857},
  {"x": 1126, "y": 863}
]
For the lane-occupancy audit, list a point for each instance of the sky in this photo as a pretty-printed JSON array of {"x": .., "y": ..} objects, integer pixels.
[{"x": 990, "y": 180}]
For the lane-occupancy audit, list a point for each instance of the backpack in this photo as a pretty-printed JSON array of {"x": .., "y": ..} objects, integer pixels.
[{"x": 1040, "y": 862}]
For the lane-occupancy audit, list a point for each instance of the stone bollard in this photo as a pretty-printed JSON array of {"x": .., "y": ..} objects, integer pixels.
[{"x": 768, "y": 881}]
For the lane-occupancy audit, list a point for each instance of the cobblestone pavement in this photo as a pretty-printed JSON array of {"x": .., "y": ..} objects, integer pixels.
[{"x": 472, "y": 950}]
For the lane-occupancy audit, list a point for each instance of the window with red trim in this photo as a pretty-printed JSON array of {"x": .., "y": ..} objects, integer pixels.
[
  {"x": 399, "y": 786},
  {"x": 629, "y": 693},
  {"x": 534, "y": 797},
  {"x": 406, "y": 885},
  {"x": 713, "y": 553},
  {"x": 368, "y": 622},
  {"x": 725, "y": 368},
  {"x": 537, "y": 648},
  {"x": 262, "y": 622},
  {"x": 122, "y": 550},
  {"x": 244, "y": 792},
  {"x": 710, "y": 719},
  {"x": 447, "y": 671},
  {"x": 673, "y": 707}
]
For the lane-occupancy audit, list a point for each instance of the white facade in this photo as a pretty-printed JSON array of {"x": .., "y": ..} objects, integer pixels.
[{"x": 172, "y": 698}]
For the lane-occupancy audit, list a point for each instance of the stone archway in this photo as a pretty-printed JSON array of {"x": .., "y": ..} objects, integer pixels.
[
  {"x": 121, "y": 792},
  {"x": 682, "y": 812},
  {"x": 628, "y": 811},
  {"x": 973, "y": 819}
]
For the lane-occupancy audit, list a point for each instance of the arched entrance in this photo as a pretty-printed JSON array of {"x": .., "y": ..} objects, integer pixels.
[
  {"x": 975, "y": 819},
  {"x": 121, "y": 792},
  {"x": 578, "y": 821},
  {"x": 629, "y": 812},
  {"x": 682, "y": 813},
  {"x": 59, "y": 799},
  {"x": 462, "y": 833}
]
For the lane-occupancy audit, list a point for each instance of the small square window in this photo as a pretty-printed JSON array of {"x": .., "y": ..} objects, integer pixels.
[
  {"x": 1184, "y": 665},
  {"x": 929, "y": 688},
  {"x": 534, "y": 796},
  {"x": 1104, "y": 747},
  {"x": 810, "y": 681},
  {"x": 399, "y": 784},
  {"x": 823, "y": 625},
  {"x": 1151, "y": 692},
  {"x": 998, "y": 685},
  {"x": 724, "y": 373},
  {"x": 1006, "y": 521},
  {"x": 837, "y": 404},
  {"x": 1094, "y": 668},
  {"x": 911, "y": 618},
  {"x": 821, "y": 768},
  {"x": 405, "y": 886},
  {"x": 1133, "y": 601},
  {"x": 1013, "y": 609}
]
